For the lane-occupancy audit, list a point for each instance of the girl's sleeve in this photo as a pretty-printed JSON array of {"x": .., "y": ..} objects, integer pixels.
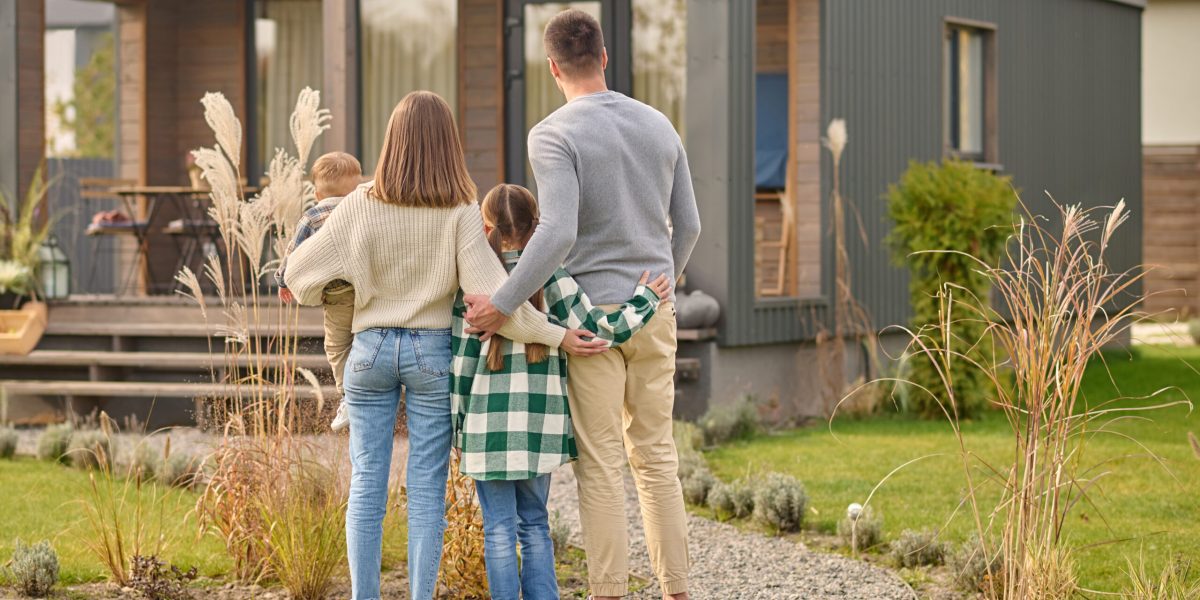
[
  {"x": 574, "y": 310},
  {"x": 480, "y": 272},
  {"x": 312, "y": 265}
]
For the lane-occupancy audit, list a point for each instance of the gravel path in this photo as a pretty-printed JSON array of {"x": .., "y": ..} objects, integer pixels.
[{"x": 731, "y": 564}]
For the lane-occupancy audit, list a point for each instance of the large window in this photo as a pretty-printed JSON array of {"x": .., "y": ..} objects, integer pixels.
[
  {"x": 968, "y": 91},
  {"x": 287, "y": 39},
  {"x": 405, "y": 46},
  {"x": 660, "y": 56}
]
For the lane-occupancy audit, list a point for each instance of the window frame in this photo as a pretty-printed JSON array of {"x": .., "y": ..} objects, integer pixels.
[{"x": 991, "y": 145}]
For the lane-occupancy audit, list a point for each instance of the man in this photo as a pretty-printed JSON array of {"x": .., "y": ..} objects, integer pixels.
[{"x": 610, "y": 173}]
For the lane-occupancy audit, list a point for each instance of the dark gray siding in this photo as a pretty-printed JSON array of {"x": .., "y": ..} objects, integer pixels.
[{"x": 1069, "y": 110}]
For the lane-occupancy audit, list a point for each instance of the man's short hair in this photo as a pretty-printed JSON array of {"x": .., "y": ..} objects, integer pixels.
[
  {"x": 336, "y": 174},
  {"x": 574, "y": 41}
]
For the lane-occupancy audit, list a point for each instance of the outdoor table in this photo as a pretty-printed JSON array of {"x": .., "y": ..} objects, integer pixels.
[{"x": 192, "y": 229}]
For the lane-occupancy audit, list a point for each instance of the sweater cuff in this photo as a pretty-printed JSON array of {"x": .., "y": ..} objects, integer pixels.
[{"x": 548, "y": 334}]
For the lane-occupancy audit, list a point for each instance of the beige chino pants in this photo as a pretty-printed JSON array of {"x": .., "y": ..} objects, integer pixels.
[
  {"x": 621, "y": 403},
  {"x": 339, "y": 336}
]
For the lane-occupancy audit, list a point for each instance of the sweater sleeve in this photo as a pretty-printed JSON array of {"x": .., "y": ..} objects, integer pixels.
[
  {"x": 312, "y": 265},
  {"x": 480, "y": 272},
  {"x": 685, "y": 216},
  {"x": 553, "y": 160}
]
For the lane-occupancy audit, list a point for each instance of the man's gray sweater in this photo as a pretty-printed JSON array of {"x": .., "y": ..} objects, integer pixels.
[{"x": 610, "y": 172}]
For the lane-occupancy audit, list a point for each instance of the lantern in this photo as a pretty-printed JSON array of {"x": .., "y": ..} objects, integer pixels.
[{"x": 55, "y": 269}]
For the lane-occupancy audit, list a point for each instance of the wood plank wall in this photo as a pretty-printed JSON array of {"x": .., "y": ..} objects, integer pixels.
[
  {"x": 31, "y": 104},
  {"x": 1171, "y": 228},
  {"x": 481, "y": 89},
  {"x": 805, "y": 57},
  {"x": 171, "y": 52},
  {"x": 787, "y": 38}
]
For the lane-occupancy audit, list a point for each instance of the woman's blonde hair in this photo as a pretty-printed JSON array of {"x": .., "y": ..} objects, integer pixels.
[
  {"x": 511, "y": 212},
  {"x": 422, "y": 163}
]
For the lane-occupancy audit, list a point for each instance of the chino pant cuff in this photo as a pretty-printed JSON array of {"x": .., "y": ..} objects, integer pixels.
[
  {"x": 610, "y": 589},
  {"x": 675, "y": 586}
]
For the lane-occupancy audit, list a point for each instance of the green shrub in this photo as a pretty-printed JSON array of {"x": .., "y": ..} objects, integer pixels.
[
  {"x": 690, "y": 462},
  {"x": 146, "y": 461},
  {"x": 938, "y": 213},
  {"x": 34, "y": 568},
  {"x": 727, "y": 422},
  {"x": 918, "y": 549},
  {"x": 54, "y": 442},
  {"x": 179, "y": 469},
  {"x": 688, "y": 437},
  {"x": 91, "y": 449},
  {"x": 8, "y": 442},
  {"x": 780, "y": 502},
  {"x": 867, "y": 534},
  {"x": 974, "y": 570},
  {"x": 731, "y": 500},
  {"x": 560, "y": 535},
  {"x": 697, "y": 485}
]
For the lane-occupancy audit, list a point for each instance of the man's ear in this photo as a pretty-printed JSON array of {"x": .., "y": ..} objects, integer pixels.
[
  {"x": 603, "y": 58},
  {"x": 554, "y": 70}
]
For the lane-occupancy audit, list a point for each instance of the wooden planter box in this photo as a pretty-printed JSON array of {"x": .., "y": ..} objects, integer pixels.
[{"x": 20, "y": 330}]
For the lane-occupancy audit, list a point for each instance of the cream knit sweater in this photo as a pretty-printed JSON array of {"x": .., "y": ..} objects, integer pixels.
[{"x": 406, "y": 265}]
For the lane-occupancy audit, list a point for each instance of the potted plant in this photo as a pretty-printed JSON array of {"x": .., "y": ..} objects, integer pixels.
[{"x": 23, "y": 230}]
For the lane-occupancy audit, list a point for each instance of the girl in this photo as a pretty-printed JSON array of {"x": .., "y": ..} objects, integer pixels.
[
  {"x": 407, "y": 242},
  {"x": 511, "y": 418}
]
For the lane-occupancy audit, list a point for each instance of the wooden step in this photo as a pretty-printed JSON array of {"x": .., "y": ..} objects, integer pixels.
[
  {"x": 135, "y": 389},
  {"x": 695, "y": 335},
  {"x": 688, "y": 369},
  {"x": 146, "y": 360},
  {"x": 189, "y": 329}
]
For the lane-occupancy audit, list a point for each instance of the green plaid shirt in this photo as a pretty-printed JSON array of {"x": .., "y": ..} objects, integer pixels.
[{"x": 514, "y": 423}]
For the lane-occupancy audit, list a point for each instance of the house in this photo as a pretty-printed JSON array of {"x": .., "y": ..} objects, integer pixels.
[
  {"x": 1045, "y": 90},
  {"x": 1171, "y": 151}
]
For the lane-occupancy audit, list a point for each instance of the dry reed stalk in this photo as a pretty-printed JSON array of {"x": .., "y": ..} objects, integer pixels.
[
  {"x": 259, "y": 414},
  {"x": 463, "y": 573},
  {"x": 850, "y": 319},
  {"x": 1057, "y": 305},
  {"x": 124, "y": 514}
]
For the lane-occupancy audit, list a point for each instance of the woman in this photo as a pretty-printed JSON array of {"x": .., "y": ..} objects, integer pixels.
[{"x": 407, "y": 242}]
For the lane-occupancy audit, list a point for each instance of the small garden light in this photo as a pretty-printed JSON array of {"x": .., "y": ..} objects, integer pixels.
[{"x": 55, "y": 269}]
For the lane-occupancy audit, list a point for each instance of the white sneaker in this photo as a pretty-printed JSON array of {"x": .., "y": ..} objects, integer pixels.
[{"x": 341, "y": 420}]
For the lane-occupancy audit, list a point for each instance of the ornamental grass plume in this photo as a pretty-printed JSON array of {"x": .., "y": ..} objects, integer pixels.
[
  {"x": 219, "y": 115},
  {"x": 308, "y": 122},
  {"x": 258, "y": 412},
  {"x": 1054, "y": 303}
]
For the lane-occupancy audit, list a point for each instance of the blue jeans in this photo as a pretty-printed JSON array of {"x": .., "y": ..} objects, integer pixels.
[
  {"x": 512, "y": 511},
  {"x": 381, "y": 361}
]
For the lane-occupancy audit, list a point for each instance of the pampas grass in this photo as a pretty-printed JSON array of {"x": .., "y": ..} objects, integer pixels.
[
  {"x": 1055, "y": 304},
  {"x": 308, "y": 122},
  {"x": 259, "y": 415}
]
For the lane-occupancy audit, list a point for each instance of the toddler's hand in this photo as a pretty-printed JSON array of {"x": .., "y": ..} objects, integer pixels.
[
  {"x": 661, "y": 286},
  {"x": 286, "y": 295}
]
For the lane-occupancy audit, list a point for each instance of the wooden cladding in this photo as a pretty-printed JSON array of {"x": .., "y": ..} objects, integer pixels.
[
  {"x": 787, "y": 40},
  {"x": 1171, "y": 182},
  {"x": 31, "y": 105},
  {"x": 481, "y": 89}
]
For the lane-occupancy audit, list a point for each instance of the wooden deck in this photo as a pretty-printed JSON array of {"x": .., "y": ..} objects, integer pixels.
[{"x": 123, "y": 355}]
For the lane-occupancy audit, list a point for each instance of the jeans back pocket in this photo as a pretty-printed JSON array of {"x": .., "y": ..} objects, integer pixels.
[
  {"x": 432, "y": 347},
  {"x": 365, "y": 349}
]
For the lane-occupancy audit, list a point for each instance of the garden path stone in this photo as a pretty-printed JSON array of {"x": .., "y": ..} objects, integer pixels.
[{"x": 728, "y": 563}]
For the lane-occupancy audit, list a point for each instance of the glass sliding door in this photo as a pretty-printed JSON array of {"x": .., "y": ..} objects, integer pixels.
[
  {"x": 530, "y": 88},
  {"x": 404, "y": 46},
  {"x": 287, "y": 36},
  {"x": 660, "y": 57}
]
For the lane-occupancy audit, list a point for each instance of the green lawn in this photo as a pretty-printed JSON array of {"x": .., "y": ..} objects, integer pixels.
[
  {"x": 1152, "y": 510},
  {"x": 42, "y": 500}
]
